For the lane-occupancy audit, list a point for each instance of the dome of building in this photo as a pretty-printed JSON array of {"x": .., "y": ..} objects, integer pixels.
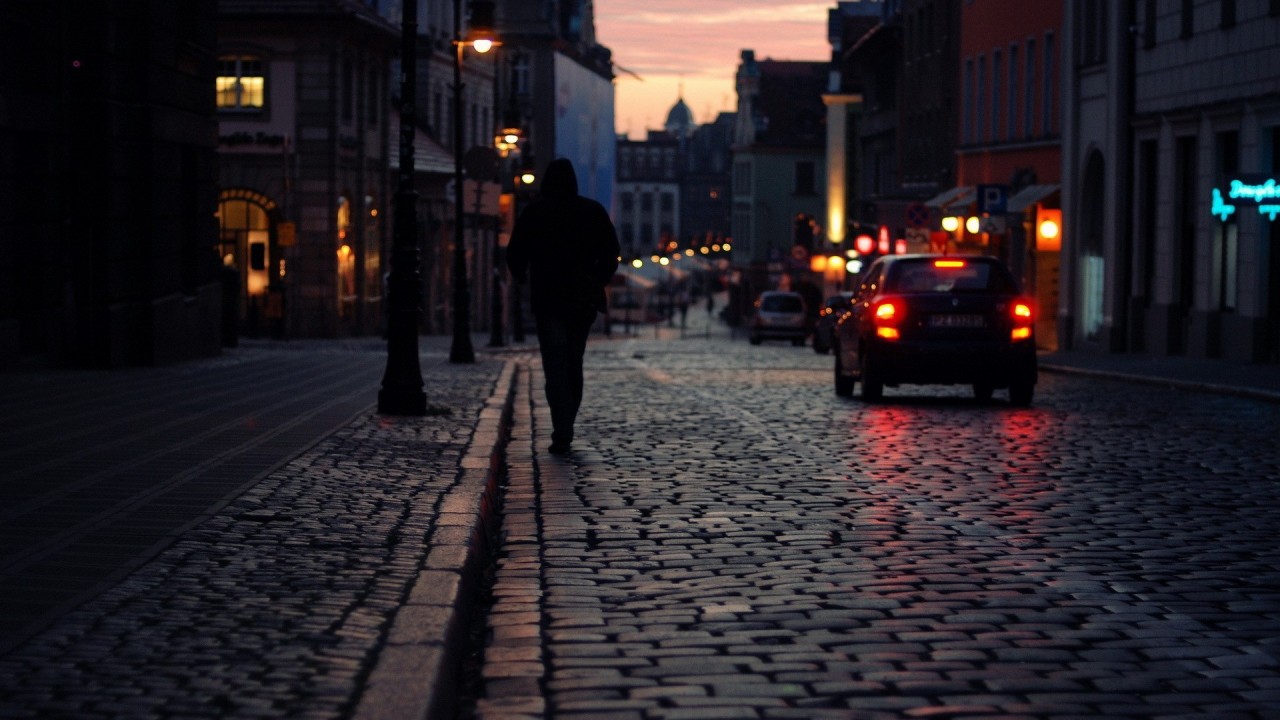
[{"x": 680, "y": 120}]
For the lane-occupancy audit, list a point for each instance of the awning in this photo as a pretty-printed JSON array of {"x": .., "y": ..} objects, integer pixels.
[
  {"x": 956, "y": 196},
  {"x": 1031, "y": 195},
  {"x": 428, "y": 155}
]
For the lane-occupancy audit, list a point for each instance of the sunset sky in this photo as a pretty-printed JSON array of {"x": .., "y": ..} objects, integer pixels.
[{"x": 698, "y": 42}]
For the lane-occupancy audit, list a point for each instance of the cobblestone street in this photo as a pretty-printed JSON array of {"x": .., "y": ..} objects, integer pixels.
[{"x": 729, "y": 539}]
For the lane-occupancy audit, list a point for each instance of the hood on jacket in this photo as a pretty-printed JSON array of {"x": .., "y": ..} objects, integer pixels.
[{"x": 560, "y": 180}]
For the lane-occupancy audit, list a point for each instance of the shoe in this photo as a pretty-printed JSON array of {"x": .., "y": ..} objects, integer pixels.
[{"x": 559, "y": 447}]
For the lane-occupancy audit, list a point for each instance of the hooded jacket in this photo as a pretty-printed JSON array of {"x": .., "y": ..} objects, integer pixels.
[{"x": 565, "y": 245}]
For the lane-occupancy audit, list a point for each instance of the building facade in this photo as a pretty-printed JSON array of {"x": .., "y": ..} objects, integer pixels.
[
  {"x": 778, "y": 161},
  {"x": 108, "y": 184},
  {"x": 1170, "y": 159},
  {"x": 303, "y": 143},
  {"x": 648, "y": 194},
  {"x": 706, "y": 189},
  {"x": 1009, "y": 144},
  {"x": 563, "y": 80}
]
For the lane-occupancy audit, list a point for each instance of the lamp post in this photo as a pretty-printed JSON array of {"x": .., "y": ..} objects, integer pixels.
[
  {"x": 461, "y": 351},
  {"x": 401, "y": 392}
]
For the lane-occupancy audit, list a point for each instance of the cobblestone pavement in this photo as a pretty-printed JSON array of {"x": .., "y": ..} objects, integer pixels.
[
  {"x": 729, "y": 539},
  {"x": 289, "y": 600}
]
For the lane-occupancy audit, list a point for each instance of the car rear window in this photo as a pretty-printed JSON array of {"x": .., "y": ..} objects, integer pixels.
[
  {"x": 781, "y": 304},
  {"x": 927, "y": 275}
]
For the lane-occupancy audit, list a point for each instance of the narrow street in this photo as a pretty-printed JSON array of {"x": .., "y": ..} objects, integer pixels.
[{"x": 730, "y": 539}]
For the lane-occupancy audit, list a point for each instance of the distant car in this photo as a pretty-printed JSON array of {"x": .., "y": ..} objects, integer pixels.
[
  {"x": 824, "y": 327},
  {"x": 779, "y": 315},
  {"x": 937, "y": 319}
]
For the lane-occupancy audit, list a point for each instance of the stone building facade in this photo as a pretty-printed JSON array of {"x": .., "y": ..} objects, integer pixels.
[{"x": 107, "y": 183}]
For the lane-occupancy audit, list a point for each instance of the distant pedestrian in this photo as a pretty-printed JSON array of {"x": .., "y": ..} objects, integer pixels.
[{"x": 568, "y": 247}]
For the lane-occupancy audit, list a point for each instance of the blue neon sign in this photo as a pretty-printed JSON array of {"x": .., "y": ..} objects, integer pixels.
[{"x": 1265, "y": 195}]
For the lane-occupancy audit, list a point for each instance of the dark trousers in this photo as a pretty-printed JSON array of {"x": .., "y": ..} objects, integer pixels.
[{"x": 562, "y": 341}]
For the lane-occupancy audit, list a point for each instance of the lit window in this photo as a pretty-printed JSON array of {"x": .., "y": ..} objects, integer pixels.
[{"x": 240, "y": 84}]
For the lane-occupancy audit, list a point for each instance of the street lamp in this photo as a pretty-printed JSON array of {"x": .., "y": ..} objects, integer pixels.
[
  {"x": 401, "y": 392},
  {"x": 481, "y": 38}
]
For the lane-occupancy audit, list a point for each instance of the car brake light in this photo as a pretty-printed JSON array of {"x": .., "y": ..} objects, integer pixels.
[
  {"x": 1021, "y": 321},
  {"x": 886, "y": 316},
  {"x": 948, "y": 263}
]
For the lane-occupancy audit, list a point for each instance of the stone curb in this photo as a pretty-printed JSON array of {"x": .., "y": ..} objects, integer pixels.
[
  {"x": 416, "y": 671},
  {"x": 1160, "y": 381}
]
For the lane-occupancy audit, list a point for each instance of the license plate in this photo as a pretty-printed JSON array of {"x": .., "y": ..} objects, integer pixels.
[{"x": 956, "y": 321}]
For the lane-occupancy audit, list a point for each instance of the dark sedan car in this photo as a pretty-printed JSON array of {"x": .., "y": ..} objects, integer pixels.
[{"x": 937, "y": 320}]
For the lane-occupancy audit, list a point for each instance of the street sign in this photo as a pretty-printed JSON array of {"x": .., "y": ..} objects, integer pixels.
[
  {"x": 993, "y": 199},
  {"x": 917, "y": 215},
  {"x": 992, "y": 225}
]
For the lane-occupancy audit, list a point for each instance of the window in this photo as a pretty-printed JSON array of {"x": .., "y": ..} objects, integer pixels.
[
  {"x": 520, "y": 75},
  {"x": 979, "y": 126},
  {"x": 968, "y": 119},
  {"x": 997, "y": 100},
  {"x": 1148, "y": 198},
  {"x": 1047, "y": 119},
  {"x": 1185, "y": 219},
  {"x": 375, "y": 96},
  {"x": 1226, "y": 234},
  {"x": 348, "y": 90},
  {"x": 1228, "y": 13},
  {"x": 1149, "y": 24},
  {"x": 806, "y": 178},
  {"x": 1029, "y": 96},
  {"x": 240, "y": 83},
  {"x": 1092, "y": 41},
  {"x": 1013, "y": 92}
]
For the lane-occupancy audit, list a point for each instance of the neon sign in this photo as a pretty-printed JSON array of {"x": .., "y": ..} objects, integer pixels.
[
  {"x": 1221, "y": 209},
  {"x": 1264, "y": 193}
]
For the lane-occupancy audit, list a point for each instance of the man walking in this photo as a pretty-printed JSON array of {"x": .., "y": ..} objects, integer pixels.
[{"x": 567, "y": 246}]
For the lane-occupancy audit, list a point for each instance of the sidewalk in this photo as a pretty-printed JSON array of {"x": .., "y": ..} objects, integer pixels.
[
  {"x": 241, "y": 569},
  {"x": 1261, "y": 382}
]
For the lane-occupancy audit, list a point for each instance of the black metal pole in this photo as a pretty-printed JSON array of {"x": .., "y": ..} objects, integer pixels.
[
  {"x": 461, "y": 350},
  {"x": 401, "y": 392}
]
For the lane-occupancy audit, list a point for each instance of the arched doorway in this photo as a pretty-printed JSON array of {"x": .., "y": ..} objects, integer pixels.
[
  {"x": 1092, "y": 259},
  {"x": 246, "y": 226}
]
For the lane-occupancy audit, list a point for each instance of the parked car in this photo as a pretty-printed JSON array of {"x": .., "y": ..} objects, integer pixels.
[
  {"x": 779, "y": 315},
  {"x": 824, "y": 326},
  {"x": 937, "y": 319}
]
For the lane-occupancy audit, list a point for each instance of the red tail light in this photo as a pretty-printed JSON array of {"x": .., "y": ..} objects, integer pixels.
[
  {"x": 1022, "y": 318},
  {"x": 886, "y": 316}
]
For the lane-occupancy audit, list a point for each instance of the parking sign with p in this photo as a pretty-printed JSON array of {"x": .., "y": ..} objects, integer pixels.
[{"x": 993, "y": 199}]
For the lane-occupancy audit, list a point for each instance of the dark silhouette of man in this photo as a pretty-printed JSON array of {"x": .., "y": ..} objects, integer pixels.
[{"x": 567, "y": 246}]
